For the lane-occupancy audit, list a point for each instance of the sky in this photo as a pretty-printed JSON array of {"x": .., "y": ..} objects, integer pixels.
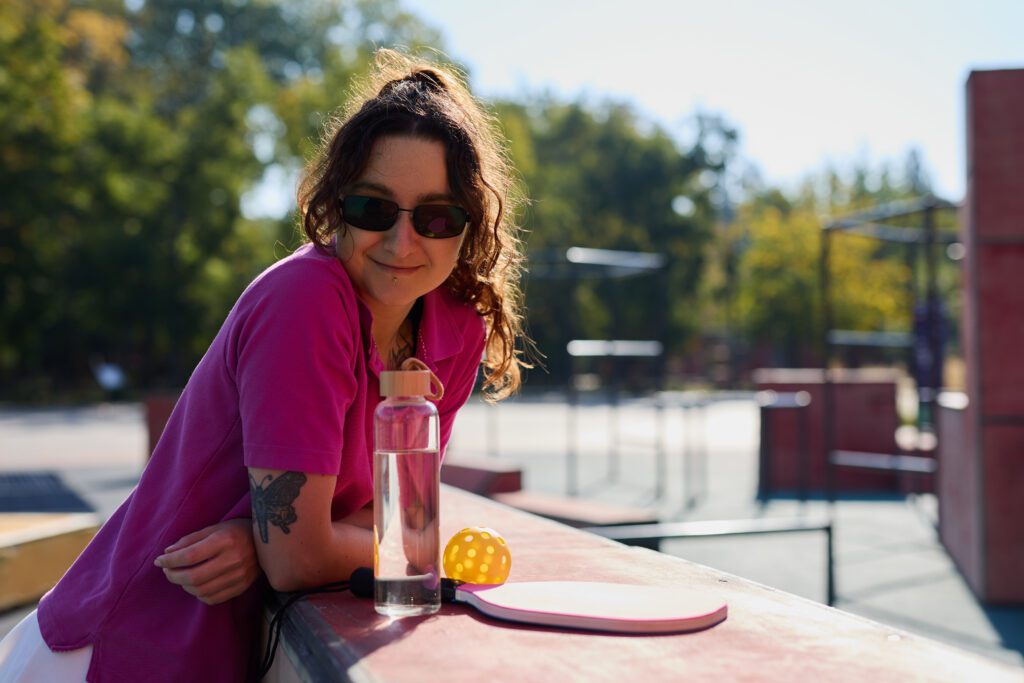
[{"x": 808, "y": 84}]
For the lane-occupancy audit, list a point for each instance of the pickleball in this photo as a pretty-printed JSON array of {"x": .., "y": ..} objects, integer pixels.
[{"x": 478, "y": 555}]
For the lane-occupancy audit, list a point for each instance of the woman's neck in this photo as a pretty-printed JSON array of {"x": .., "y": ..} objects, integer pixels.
[{"x": 394, "y": 334}]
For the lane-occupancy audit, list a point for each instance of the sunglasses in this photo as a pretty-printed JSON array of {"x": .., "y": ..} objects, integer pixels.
[{"x": 436, "y": 221}]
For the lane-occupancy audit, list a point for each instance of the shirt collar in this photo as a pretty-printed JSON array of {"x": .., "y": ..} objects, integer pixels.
[{"x": 439, "y": 336}]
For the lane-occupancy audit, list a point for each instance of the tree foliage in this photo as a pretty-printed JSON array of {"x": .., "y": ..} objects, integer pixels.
[
  {"x": 779, "y": 299},
  {"x": 134, "y": 134},
  {"x": 777, "y": 240},
  {"x": 130, "y": 133},
  {"x": 600, "y": 176}
]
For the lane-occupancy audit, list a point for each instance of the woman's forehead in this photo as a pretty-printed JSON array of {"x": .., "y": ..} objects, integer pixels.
[{"x": 406, "y": 166}]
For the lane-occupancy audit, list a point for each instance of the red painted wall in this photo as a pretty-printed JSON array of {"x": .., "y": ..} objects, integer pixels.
[
  {"x": 984, "y": 528},
  {"x": 866, "y": 420}
]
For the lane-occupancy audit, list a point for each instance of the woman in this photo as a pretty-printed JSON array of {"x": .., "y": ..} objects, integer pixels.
[{"x": 411, "y": 252}]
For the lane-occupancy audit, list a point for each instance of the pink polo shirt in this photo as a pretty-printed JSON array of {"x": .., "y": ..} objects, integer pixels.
[{"x": 291, "y": 383}]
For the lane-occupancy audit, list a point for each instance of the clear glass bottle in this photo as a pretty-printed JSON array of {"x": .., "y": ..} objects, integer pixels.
[{"x": 406, "y": 496}]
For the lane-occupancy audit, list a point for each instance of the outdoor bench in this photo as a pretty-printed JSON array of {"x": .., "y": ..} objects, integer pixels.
[
  {"x": 576, "y": 512},
  {"x": 484, "y": 476}
]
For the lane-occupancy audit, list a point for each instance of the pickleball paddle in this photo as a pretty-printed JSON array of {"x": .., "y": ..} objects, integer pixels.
[{"x": 610, "y": 607}]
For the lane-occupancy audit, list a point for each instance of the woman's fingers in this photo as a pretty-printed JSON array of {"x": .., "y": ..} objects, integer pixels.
[
  {"x": 211, "y": 586},
  {"x": 223, "y": 596},
  {"x": 200, "y": 574},
  {"x": 195, "y": 552},
  {"x": 206, "y": 543},
  {"x": 191, "y": 538},
  {"x": 226, "y": 586},
  {"x": 215, "y": 564}
]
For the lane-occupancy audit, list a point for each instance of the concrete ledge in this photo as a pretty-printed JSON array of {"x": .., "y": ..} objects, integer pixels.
[{"x": 770, "y": 635}]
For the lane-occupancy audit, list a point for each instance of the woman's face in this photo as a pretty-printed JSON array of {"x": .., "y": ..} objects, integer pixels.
[{"x": 391, "y": 269}]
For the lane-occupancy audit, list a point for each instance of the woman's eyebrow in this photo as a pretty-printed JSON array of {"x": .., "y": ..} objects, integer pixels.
[
  {"x": 435, "y": 196},
  {"x": 386, "y": 191},
  {"x": 368, "y": 185}
]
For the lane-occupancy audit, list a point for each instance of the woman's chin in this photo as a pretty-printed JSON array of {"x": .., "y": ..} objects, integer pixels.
[{"x": 393, "y": 295}]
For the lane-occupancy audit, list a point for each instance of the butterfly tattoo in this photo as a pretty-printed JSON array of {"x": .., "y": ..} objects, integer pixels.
[{"x": 272, "y": 501}]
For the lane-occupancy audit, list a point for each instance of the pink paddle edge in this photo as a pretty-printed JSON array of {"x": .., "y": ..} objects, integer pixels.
[{"x": 611, "y": 607}]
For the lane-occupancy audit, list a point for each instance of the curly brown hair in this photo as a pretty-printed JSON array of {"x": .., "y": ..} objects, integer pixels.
[{"x": 403, "y": 96}]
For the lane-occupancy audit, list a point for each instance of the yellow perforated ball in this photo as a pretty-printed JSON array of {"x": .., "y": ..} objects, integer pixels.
[{"x": 477, "y": 554}]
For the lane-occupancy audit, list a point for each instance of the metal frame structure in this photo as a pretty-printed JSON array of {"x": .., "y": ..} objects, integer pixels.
[
  {"x": 873, "y": 223},
  {"x": 582, "y": 263}
]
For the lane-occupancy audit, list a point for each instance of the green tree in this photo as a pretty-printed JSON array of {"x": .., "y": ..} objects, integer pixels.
[
  {"x": 41, "y": 126},
  {"x": 779, "y": 299},
  {"x": 599, "y": 176},
  {"x": 131, "y": 132}
]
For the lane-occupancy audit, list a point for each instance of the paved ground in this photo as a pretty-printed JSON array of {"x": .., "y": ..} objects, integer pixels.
[{"x": 889, "y": 564}]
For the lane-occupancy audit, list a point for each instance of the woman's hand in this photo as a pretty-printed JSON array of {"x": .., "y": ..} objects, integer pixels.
[{"x": 214, "y": 564}]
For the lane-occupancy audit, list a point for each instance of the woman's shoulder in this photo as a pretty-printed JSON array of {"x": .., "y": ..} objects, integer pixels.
[
  {"x": 308, "y": 276},
  {"x": 306, "y": 293},
  {"x": 309, "y": 264}
]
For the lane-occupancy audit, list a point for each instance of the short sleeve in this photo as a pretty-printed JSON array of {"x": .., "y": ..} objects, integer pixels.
[
  {"x": 460, "y": 386},
  {"x": 295, "y": 374}
]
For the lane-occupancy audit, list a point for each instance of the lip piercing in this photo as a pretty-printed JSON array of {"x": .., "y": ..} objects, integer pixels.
[{"x": 394, "y": 280}]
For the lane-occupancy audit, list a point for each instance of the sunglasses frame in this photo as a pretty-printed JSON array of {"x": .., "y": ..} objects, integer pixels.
[{"x": 422, "y": 231}]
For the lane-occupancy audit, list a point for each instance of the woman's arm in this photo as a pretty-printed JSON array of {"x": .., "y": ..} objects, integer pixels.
[
  {"x": 219, "y": 563},
  {"x": 297, "y": 544}
]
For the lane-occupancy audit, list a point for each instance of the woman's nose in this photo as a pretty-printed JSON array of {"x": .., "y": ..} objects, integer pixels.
[{"x": 402, "y": 236}]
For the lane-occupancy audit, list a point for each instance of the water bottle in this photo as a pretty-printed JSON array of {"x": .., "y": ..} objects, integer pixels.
[{"x": 406, "y": 494}]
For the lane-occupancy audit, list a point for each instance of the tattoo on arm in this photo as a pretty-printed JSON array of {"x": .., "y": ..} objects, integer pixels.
[{"x": 272, "y": 501}]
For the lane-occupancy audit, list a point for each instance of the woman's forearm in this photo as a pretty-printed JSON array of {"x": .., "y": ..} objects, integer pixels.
[
  {"x": 352, "y": 548},
  {"x": 298, "y": 545}
]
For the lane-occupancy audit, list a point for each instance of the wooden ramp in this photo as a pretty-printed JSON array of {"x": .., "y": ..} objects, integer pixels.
[
  {"x": 36, "y": 548},
  {"x": 44, "y": 525}
]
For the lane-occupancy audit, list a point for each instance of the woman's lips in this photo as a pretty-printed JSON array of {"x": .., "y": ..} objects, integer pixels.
[{"x": 397, "y": 270}]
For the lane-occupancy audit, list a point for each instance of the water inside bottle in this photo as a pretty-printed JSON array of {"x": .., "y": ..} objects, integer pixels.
[{"x": 406, "y": 533}]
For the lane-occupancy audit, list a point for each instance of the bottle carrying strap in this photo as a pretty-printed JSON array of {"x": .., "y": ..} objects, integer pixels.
[{"x": 435, "y": 383}]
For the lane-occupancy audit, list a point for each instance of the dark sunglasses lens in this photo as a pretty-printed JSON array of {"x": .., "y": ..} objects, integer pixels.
[
  {"x": 439, "y": 221},
  {"x": 369, "y": 213}
]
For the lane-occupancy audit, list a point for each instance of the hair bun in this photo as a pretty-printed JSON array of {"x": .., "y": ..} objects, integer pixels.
[
  {"x": 422, "y": 80},
  {"x": 428, "y": 77}
]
